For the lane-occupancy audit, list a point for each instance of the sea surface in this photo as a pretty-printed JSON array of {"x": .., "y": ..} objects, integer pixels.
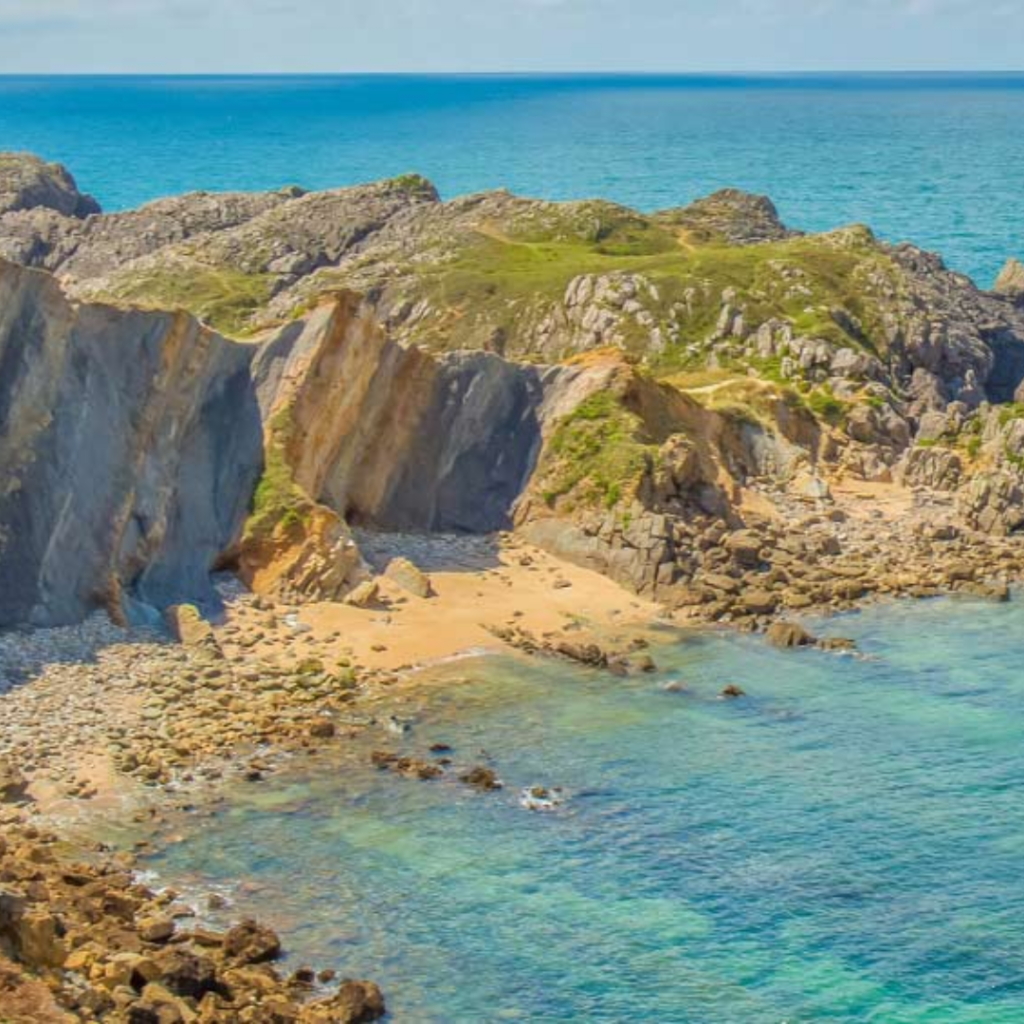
[
  {"x": 845, "y": 843},
  {"x": 932, "y": 159}
]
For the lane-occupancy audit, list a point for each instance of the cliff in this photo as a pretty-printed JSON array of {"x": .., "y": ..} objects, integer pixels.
[
  {"x": 129, "y": 443},
  {"x": 629, "y": 390}
]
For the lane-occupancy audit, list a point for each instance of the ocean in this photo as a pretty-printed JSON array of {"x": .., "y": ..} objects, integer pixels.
[
  {"x": 844, "y": 844},
  {"x": 933, "y": 159}
]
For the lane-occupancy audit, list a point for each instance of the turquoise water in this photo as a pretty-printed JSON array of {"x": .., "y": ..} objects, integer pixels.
[
  {"x": 932, "y": 159},
  {"x": 844, "y": 844}
]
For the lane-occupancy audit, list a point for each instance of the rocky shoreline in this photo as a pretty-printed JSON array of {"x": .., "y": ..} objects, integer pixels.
[{"x": 155, "y": 724}]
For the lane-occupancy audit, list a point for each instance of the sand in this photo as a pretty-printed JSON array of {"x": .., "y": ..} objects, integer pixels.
[{"x": 526, "y": 586}]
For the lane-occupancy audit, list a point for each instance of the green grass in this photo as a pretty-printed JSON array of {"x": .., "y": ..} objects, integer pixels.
[
  {"x": 278, "y": 500},
  {"x": 223, "y": 298},
  {"x": 825, "y": 406},
  {"x": 1015, "y": 460},
  {"x": 415, "y": 184},
  {"x": 1009, "y": 412},
  {"x": 596, "y": 455},
  {"x": 507, "y": 277}
]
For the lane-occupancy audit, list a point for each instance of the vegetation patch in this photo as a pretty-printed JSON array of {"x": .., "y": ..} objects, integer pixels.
[
  {"x": 222, "y": 297},
  {"x": 824, "y": 405},
  {"x": 596, "y": 456},
  {"x": 507, "y": 277},
  {"x": 278, "y": 501}
]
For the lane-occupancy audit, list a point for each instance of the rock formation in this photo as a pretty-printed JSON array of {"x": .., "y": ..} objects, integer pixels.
[
  {"x": 130, "y": 443},
  {"x": 229, "y": 381}
]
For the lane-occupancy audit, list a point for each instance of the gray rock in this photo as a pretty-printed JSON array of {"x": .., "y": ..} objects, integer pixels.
[
  {"x": 130, "y": 443},
  {"x": 27, "y": 183}
]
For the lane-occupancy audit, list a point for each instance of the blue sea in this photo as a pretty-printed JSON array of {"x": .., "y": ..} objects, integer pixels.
[
  {"x": 934, "y": 159},
  {"x": 844, "y": 844}
]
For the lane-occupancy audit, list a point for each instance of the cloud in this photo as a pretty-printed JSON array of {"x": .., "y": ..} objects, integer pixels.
[{"x": 298, "y": 35}]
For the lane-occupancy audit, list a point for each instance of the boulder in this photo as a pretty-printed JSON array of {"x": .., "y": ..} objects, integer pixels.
[
  {"x": 788, "y": 634},
  {"x": 407, "y": 576},
  {"x": 365, "y": 595},
  {"x": 810, "y": 486},
  {"x": 481, "y": 778},
  {"x": 13, "y": 784},
  {"x": 186, "y": 974},
  {"x": 251, "y": 943},
  {"x": 156, "y": 929},
  {"x": 188, "y": 626},
  {"x": 745, "y": 547},
  {"x": 356, "y": 1002},
  {"x": 759, "y": 602}
]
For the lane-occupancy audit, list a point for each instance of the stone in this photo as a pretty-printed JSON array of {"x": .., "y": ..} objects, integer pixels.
[
  {"x": 156, "y": 929},
  {"x": 365, "y": 595},
  {"x": 758, "y": 602},
  {"x": 788, "y": 634},
  {"x": 322, "y": 728},
  {"x": 407, "y": 576},
  {"x": 481, "y": 778},
  {"x": 251, "y": 943},
  {"x": 745, "y": 547},
  {"x": 1010, "y": 282},
  {"x": 185, "y": 974},
  {"x": 356, "y": 1002},
  {"x": 13, "y": 784},
  {"x": 811, "y": 486}
]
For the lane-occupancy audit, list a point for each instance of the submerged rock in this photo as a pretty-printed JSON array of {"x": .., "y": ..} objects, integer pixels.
[
  {"x": 541, "y": 798},
  {"x": 482, "y": 778}
]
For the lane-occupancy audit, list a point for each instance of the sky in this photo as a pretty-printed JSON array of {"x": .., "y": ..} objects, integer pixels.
[{"x": 225, "y": 36}]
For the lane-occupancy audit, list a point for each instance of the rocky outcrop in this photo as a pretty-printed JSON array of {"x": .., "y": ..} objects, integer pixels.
[
  {"x": 1010, "y": 282},
  {"x": 736, "y": 217},
  {"x": 939, "y": 468},
  {"x": 28, "y": 183},
  {"x": 129, "y": 445},
  {"x": 994, "y": 502},
  {"x": 393, "y": 437},
  {"x": 465, "y": 366}
]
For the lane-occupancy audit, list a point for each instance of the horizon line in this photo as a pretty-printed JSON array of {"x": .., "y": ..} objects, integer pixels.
[{"x": 537, "y": 73}]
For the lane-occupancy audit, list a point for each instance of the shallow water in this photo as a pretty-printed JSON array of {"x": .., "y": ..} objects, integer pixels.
[
  {"x": 931, "y": 158},
  {"x": 843, "y": 844}
]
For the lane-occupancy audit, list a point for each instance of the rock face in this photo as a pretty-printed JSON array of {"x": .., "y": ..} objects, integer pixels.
[
  {"x": 129, "y": 444},
  {"x": 28, "y": 183},
  {"x": 394, "y": 437},
  {"x": 1010, "y": 281}
]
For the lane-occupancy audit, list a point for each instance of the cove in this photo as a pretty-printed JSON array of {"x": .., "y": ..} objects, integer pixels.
[{"x": 842, "y": 844}]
